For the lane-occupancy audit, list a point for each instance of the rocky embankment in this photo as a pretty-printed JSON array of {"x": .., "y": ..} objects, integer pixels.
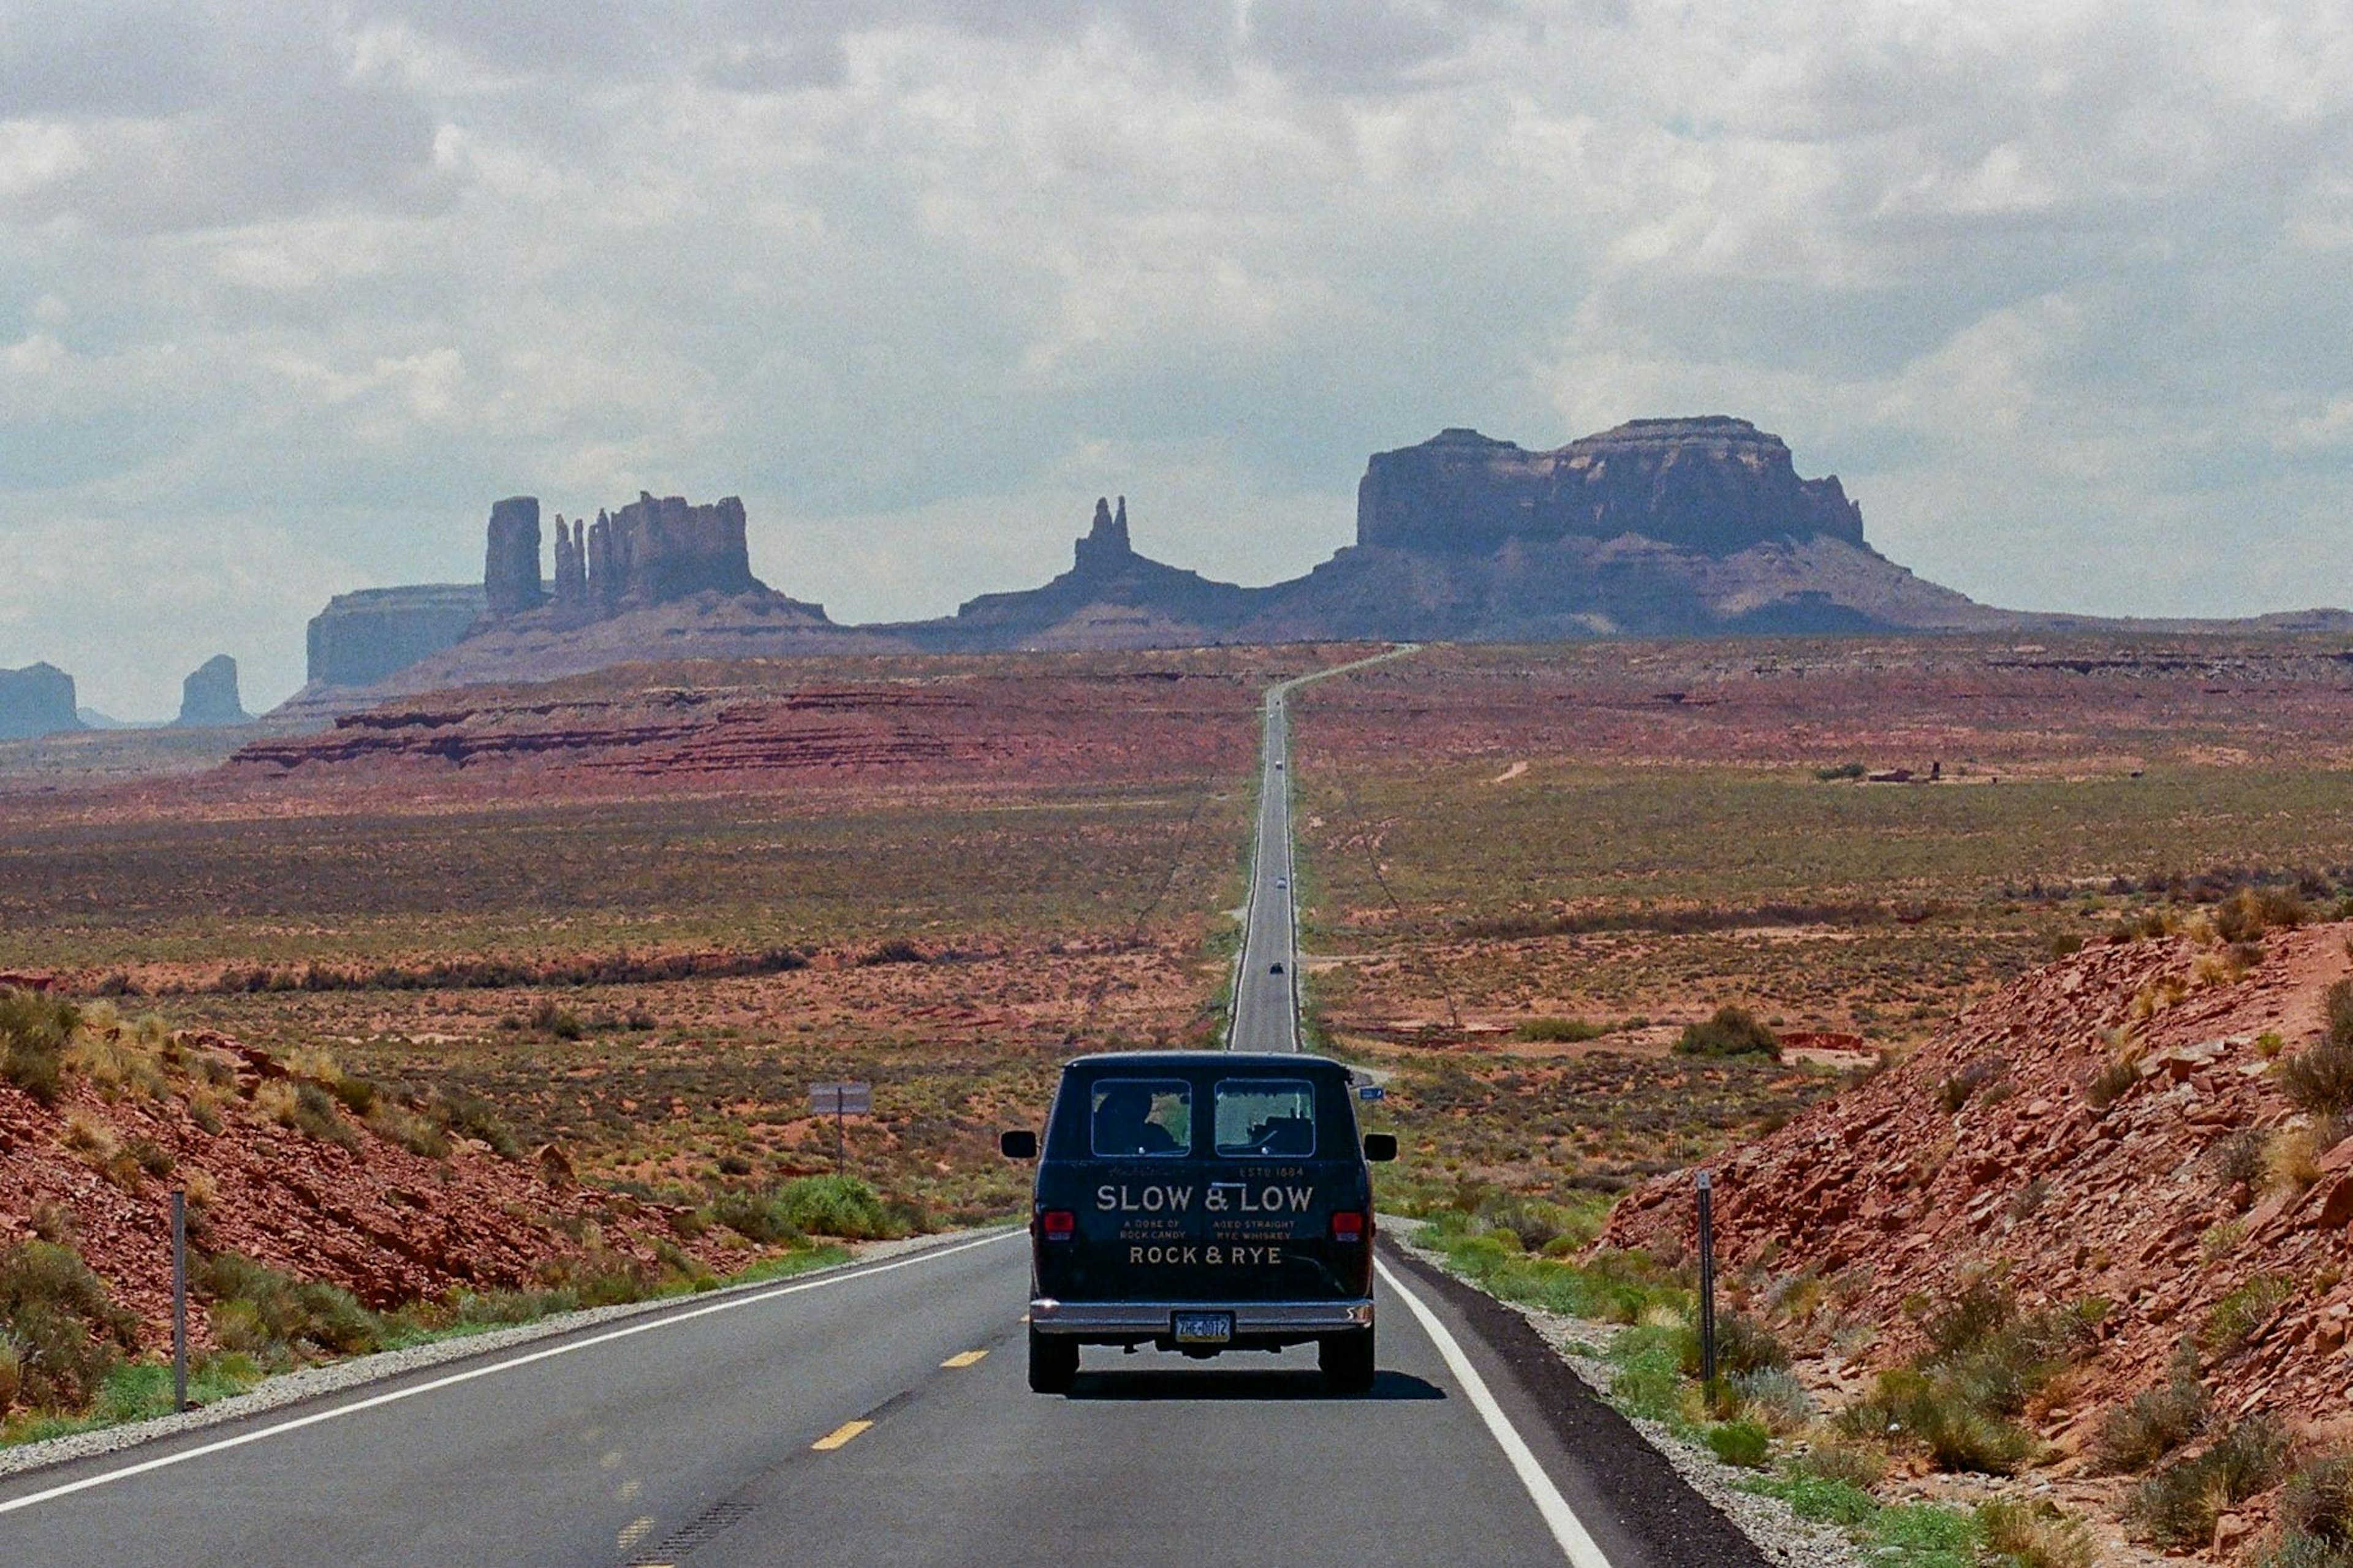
[
  {"x": 2113, "y": 1130},
  {"x": 394, "y": 1205}
]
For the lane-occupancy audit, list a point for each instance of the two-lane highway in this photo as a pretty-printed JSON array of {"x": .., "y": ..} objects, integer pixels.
[
  {"x": 1266, "y": 977},
  {"x": 880, "y": 1415}
]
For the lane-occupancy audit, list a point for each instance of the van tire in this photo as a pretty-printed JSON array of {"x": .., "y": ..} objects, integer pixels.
[
  {"x": 1347, "y": 1360},
  {"x": 1053, "y": 1363}
]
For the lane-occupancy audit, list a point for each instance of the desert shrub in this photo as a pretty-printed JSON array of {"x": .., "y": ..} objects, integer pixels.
[
  {"x": 398, "y": 1124},
  {"x": 278, "y": 1318},
  {"x": 1958, "y": 1089},
  {"x": 837, "y": 1205},
  {"x": 2111, "y": 1082},
  {"x": 2179, "y": 1504},
  {"x": 2239, "y": 1158},
  {"x": 756, "y": 1218},
  {"x": 1742, "y": 1346},
  {"x": 1936, "y": 1413},
  {"x": 2151, "y": 1425},
  {"x": 1774, "y": 1397},
  {"x": 1845, "y": 1461},
  {"x": 2291, "y": 1160},
  {"x": 63, "y": 1329},
  {"x": 1841, "y": 771},
  {"x": 2251, "y": 911},
  {"x": 1559, "y": 1030},
  {"x": 1960, "y": 1399},
  {"x": 2319, "y": 1078},
  {"x": 34, "y": 1030},
  {"x": 314, "y": 1113},
  {"x": 2242, "y": 1311},
  {"x": 469, "y": 1116},
  {"x": 1742, "y": 1443},
  {"x": 558, "y": 1022},
  {"x": 2033, "y": 1535},
  {"x": 1731, "y": 1032},
  {"x": 2316, "y": 1505},
  {"x": 898, "y": 950}
]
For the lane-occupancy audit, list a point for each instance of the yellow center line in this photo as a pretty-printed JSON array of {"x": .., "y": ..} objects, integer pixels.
[
  {"x": 840, "y": 1435},
  {"x": 964, "y": 1358}
]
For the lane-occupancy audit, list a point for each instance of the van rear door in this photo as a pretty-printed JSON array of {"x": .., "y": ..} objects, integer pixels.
[{"x": 1284, "y": 1170}]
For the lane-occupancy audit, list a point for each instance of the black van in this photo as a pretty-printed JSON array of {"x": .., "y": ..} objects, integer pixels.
[{"x": 1202, "y": 1202}]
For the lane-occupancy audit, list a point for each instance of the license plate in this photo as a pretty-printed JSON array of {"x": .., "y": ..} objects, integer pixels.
[{"x": 1203, "y": 1328}]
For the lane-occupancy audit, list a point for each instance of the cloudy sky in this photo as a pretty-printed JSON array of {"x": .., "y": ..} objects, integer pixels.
[{"x": 290, "y": 294}]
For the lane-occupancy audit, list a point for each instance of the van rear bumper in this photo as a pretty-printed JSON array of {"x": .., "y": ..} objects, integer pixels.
[{"x": 1152, "y": 1320}]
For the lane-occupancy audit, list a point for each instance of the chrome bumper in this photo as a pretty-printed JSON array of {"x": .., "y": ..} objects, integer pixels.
[{"x": 1147, "y": 1320}]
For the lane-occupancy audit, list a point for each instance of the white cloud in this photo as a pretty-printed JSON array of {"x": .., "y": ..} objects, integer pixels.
[{"x": 2054, "y": 286}]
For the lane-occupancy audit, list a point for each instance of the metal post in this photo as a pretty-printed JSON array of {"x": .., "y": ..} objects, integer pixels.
[
  {"x": 840, "y": 1165},
  {"x": 179, "y": 1299},
  {"x": 1707, "y": 1282}
]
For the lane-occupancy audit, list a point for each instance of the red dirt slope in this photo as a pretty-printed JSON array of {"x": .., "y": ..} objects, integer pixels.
[
  {"x": 96, "y": 1168},
  {"x": 2136, "y": 1202}
]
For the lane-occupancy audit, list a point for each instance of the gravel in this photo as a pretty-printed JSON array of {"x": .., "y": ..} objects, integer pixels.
[
  {"x": 1776, "y": 1531},
  {"x": 336, "y": 1377}
]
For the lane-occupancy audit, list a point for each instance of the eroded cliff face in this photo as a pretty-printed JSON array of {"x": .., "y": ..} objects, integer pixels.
[
  {"x": 37, "y": 700},
  {"x": 209, "y": 695},
  {"x": 1715, "y": 484},
  {"x": 650, "y": 553},
  {"x": 364, "y": 637}
]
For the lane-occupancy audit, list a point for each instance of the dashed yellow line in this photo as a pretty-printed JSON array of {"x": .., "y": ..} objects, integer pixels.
[
  {"x": 840, "y": 1435},
  {"x": 964, "y": 1358}
]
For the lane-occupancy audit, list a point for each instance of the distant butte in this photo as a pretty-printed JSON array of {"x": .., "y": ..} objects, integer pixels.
[{"x": 1684, "y": 527}]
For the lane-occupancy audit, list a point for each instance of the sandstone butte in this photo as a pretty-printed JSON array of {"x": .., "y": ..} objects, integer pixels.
[
  {"x": 387, "y": 1225},
  {"x": 2128, "y": 1204}
]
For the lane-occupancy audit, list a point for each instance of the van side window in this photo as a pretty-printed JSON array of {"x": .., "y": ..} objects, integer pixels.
[
  {"x": 1266, "y": 1116},
  {"x": 1141, "y": 1118}
]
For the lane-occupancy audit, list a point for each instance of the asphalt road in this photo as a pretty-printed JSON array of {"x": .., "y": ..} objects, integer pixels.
[
  {"x": 1266, "y": 996},
  {"x": 880, "y": 1416},
  {"x": 701, "y": 1437}
]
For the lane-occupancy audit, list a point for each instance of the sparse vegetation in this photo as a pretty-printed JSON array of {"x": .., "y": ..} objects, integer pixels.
[
  {"x": 2319, "y": 1078},
  {"x": 33, "y": 1032},
  {"x": 1732, "y": 1031},
  {"x": 2315, "y": 1515},
  {"x": 1959, "y": 1400},
  {"x": 2179, "y": 1505},
  {"x": 2153, "y": 1423},
  {"x": 1569, "y": 1031},
  {"x": 62, "y": 1333}
]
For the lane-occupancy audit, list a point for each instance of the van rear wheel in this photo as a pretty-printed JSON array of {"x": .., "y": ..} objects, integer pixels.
[
  {"x": 1346, "y": 1361},
  {"x": 1053, "y": 1363}
]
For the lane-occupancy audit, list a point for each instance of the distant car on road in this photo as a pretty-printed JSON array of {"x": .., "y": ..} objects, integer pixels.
[
  {"x": 1274, "y": 969},
  {"x": 1202, "y": 1202},
  {"x": 1281, "y": 882}
]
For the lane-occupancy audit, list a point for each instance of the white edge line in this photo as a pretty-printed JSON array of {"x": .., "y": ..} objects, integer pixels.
[
  {"x": 667, "y": 1319},
  {"x": 1567, "y": 1528}
]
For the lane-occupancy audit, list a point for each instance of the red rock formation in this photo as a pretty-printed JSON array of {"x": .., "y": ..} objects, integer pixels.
[
  {"x": 511, "y": 579},
  {"x": 2131, "y": 1202}
]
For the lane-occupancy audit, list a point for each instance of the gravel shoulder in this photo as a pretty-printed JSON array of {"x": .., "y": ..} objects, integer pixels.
[
  {"x": 336, "y": 1377},
  {"x": 1768, "y": 1522}
]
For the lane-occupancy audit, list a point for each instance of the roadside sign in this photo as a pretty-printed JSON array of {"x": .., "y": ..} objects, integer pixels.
[
  {"x": 841, "y": 1099},
  {"x": 837, "y": 1100},
  {"x": 1371, "y": 1091}
]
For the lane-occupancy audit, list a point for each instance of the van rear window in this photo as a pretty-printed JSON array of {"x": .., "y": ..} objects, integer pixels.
[
  {"x": 1266, "y": 1116},
  {"x": 1141, "y": 1118}
]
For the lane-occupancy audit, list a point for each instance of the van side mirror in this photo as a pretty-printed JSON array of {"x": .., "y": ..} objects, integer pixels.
[
  {"x": 1380, "y": 1146},
  {"x": 1022, "y": 1144}
]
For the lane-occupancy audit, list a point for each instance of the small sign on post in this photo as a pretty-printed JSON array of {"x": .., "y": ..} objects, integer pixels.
[{"x": 837, "y": 1100}]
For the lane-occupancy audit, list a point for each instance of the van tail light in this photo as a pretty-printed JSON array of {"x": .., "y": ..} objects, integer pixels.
[
  {"x": 1348, "y": 1225},
  {"x": 1058, "y": 1224}
]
